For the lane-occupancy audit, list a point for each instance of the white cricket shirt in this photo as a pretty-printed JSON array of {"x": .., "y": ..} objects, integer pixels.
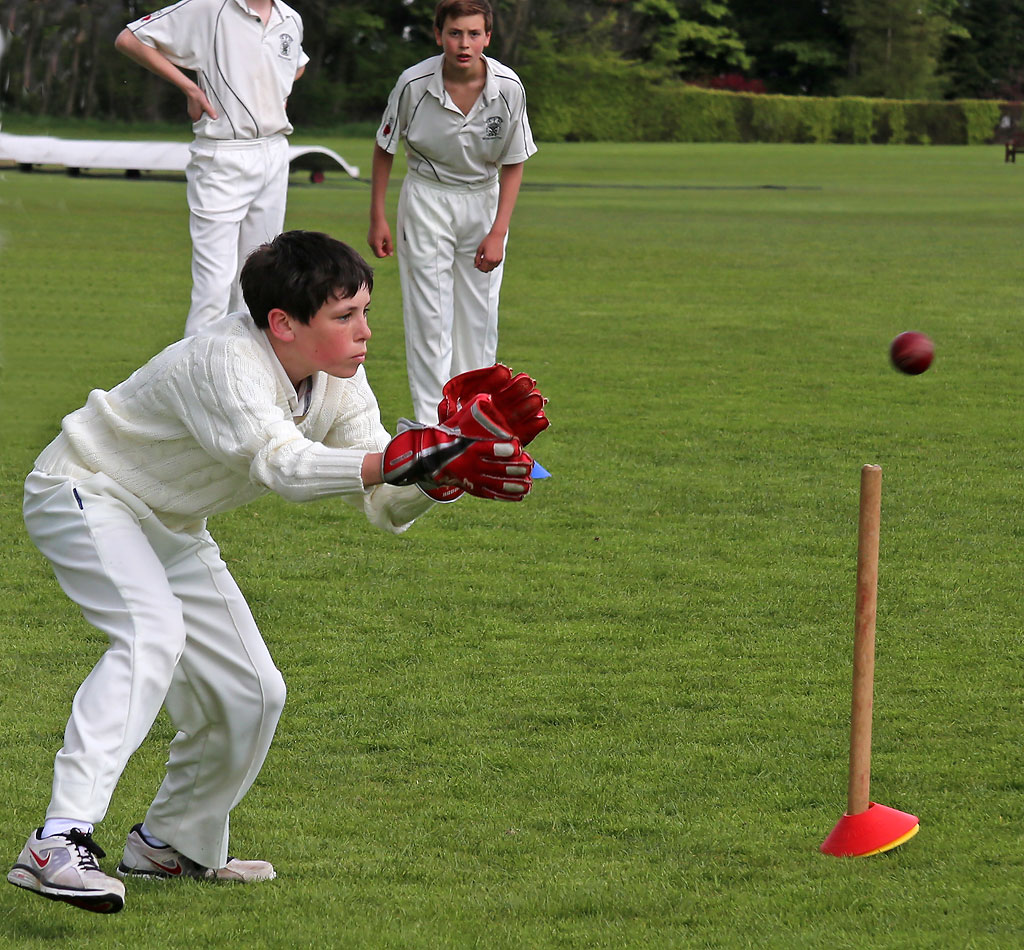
[
  {"x": 209, "y": 424},
  {"x": 446, "y": 146},
  {"x": 245, "y": 68}
]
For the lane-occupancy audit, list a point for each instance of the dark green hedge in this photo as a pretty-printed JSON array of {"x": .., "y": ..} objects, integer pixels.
[{"x": 591, "y": 97}]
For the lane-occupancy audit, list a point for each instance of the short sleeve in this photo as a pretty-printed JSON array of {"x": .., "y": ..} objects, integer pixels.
[
  {"x": 389, "y": 133},
  {"x": 519, "y": 143},
  {"x": 175, "y": 31}
]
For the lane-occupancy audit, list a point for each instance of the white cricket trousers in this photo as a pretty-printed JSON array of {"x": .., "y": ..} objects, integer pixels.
[
  {"x": 237, "y": 192},
  {"x": 180, "y": 636},
  {"x": 450, "y": 308}
]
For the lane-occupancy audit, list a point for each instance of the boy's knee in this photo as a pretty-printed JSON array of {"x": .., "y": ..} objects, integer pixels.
[
  {"x": 255, "y": 710},
  {"x": 274, "y": 694},
  {"x": 160, "y": 647},
  {"x": 266, "y": 700}
]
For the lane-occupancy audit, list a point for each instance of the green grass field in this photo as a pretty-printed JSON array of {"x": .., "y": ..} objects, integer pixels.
[{"x": 617, "y": 714}]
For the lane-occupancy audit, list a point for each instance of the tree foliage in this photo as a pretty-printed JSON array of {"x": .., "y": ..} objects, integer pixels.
[
  {"x": 691, "y": 38},
  {"x": 895, "y": 45},
  {"x": 57, "y": 56},
  {"x": 798, "y": 47},
  {"x": 985, "y": 57}
]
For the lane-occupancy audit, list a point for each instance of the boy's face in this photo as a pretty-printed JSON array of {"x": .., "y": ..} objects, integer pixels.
[
  {"x": 463, "y": 41},
  {"x": 334, "y": 341}
]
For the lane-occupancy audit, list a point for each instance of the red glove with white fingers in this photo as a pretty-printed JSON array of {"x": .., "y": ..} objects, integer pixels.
[
  {"x": 514, "y": 399},
  {"x": 476, "y": 419},
  {"x": 438, "y": 459}
]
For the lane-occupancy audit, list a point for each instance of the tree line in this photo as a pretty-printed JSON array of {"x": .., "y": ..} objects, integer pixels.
[{"x": 57, "y": 56}]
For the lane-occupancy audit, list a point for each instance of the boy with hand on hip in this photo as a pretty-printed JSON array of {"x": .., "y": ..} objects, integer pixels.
[
  {"x": 245, "y": 54},
  {"x": 273, "y": 400},
  {"x": 463, "y": 119}
]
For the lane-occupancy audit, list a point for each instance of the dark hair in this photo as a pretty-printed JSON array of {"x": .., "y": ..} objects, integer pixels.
[
  {"x": 458, "y": 8},
  {"x": 297, "y": 272}
]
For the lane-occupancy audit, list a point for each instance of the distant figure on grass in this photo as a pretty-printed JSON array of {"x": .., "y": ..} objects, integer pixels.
[
  {"x": 463, "y": 118},
  {"x": 273, "y": 400},
  {"x": 246, "y": 57}
]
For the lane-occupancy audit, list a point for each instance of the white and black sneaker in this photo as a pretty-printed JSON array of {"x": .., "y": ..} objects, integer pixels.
[
  {"x": 141, "y": 859},
  {"x": 63, "y": 868}
]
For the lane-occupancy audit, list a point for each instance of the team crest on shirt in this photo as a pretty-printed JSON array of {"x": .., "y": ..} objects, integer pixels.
[
  {"x": 286, "y": 46},
  {"x": 492, "y": 127}
]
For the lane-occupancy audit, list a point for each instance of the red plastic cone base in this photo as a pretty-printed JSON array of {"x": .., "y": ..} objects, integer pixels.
[{"x": 878, "y": 829}]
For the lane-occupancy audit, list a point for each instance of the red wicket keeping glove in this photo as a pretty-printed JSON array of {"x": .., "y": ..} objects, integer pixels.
[
  {"x": 434, "y": 458},
  {"x": 514, "y": 399},
  {"x": 466, "y": 385},
  {"x": 477, "y": 419}
]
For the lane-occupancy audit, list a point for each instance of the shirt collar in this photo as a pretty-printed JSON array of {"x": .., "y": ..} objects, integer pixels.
[
  {"x": 275, "y": 12},
  {"x": 436, "y": 85},
  {"x": 490, "y": 83},
  {"x": 296, "y": 406}
]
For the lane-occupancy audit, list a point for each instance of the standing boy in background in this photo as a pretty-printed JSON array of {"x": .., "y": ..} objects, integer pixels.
[
  {"x": 463, "y": 118},
  {"x": 245, "y": 56}
]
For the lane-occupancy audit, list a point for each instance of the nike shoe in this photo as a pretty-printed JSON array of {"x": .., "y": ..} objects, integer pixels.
[
  {"x": 63, "y": 868},
  {"x": 142, "y": 859}
]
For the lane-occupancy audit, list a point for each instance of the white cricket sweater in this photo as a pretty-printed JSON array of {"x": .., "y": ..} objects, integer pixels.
[{"x": 207, "y": 425}]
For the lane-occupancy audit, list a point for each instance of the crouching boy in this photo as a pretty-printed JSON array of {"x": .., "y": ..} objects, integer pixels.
[{"x": 273, "y": 400}]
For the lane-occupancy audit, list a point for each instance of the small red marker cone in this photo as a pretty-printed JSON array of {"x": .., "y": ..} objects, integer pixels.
[{"x": 878, "y": 829}]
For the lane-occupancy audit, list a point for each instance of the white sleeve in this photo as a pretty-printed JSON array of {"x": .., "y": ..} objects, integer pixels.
[
  {"x": 359, "y": 426},
  {"x": 303, "y": 56},
  {"x": 176, "y": 31},
  {"x": 229, "y": 407},
  {"x": 519, "y": 141},
  {"x": 391, "y": 508},
  {"x": 226, "y": 398},
  {"x": 390, "y": 131}
]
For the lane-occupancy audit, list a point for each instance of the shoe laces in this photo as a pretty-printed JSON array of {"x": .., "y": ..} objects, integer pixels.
[{"x": 87, "y": 849}]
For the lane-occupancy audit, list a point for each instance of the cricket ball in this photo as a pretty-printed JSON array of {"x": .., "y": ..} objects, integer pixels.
[{"x": 911, "y": 352}]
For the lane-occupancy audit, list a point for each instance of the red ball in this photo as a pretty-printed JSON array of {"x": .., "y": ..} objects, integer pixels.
[{"x": 911, "y": 352}]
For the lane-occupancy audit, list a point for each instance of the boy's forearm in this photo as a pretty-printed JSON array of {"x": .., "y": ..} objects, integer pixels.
[
  {"x": 381, "y": 173},
  {"x": 153, "y": 60},
  {"x": 371, "y": 470},
  {"x": 510, "y": 179}
]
